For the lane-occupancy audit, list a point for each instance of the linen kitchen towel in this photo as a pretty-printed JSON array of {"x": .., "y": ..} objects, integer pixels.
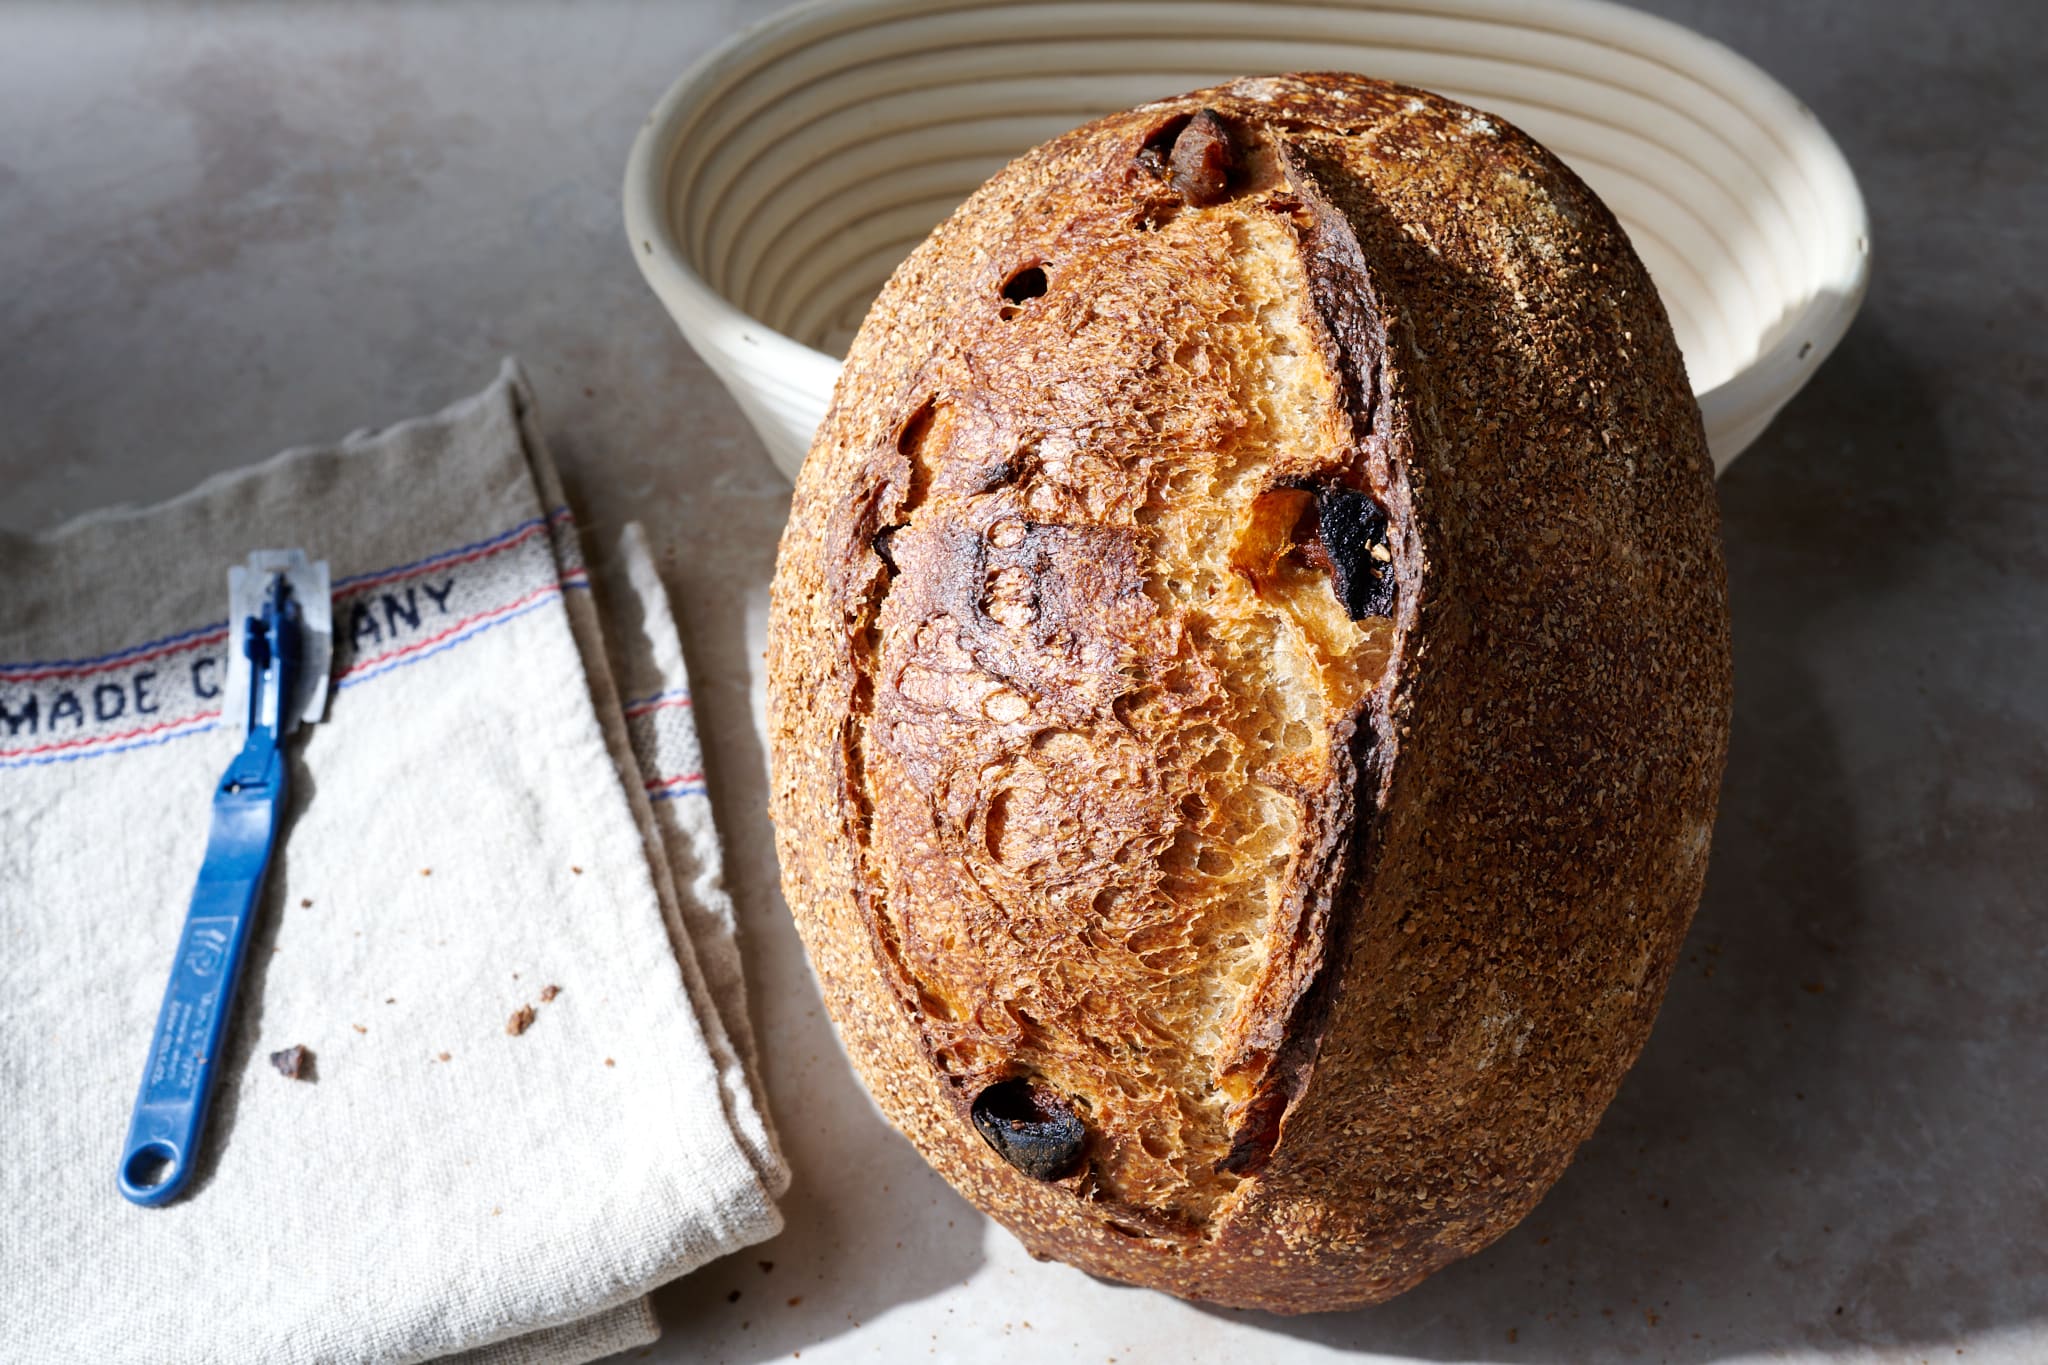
[{"x": 525, "y": 1107}]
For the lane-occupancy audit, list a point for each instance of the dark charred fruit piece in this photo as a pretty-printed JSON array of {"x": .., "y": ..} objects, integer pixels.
[
  {"x": 1158, "y": 147},
  {"x": 879, "y": 542},
  {"x": 1203, "y": 158},
  {"x": 1030, "y": 1128},
  {"x": 1353, "y": 533}
]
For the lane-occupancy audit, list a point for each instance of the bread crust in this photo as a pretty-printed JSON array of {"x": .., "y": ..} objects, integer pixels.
[{"x": 1334, "y": 916}]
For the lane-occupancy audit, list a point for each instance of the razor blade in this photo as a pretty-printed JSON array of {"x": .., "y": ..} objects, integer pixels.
[{"x": 248, "y": 586}]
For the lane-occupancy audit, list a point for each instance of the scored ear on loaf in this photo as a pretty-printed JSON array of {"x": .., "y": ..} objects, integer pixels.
[{"x": 1249, "y": 683}]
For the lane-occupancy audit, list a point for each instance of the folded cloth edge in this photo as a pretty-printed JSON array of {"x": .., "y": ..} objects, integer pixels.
[{"x": 631, "y": 1323}]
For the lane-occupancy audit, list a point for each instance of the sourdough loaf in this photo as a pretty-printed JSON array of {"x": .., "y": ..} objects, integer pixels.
[{"x": 1249, "y": 682}]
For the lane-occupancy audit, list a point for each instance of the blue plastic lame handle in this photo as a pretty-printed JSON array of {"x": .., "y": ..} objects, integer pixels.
[{"x": 177, "y": 1084}]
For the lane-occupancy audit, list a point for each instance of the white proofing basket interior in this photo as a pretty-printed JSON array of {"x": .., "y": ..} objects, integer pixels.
[{"x": 782, "y": 179}]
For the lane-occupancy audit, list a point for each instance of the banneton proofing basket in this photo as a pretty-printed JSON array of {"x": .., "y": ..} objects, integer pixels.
[{"x": 781, "y": 179}]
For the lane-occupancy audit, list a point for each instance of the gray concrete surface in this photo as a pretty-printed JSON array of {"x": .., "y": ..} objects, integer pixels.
[{"x": 224, "y": 230}]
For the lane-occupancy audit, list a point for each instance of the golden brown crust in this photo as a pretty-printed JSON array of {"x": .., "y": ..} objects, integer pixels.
[{"x": 1249, "y": 681}]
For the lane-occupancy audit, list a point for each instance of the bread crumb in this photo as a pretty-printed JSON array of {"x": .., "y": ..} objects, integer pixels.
[
  {"x": 390, "y": 999},
  {"x": 358, "y": 1028},
  {"x": 548, "y": 993},
  {"x": 305, "y": 902},
  {"x": 294, "y": 1063},
  {"x": 795, "y": 1299},
  {"x": 577, "y": 870},
  {"x": 521, "y": 1018},
  {"x": 443, "y": 1057},
  {"x": 426, "y": 872},
  {"x": 766, "y": 1266},
  {"x": 608, "y": 1061}
]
